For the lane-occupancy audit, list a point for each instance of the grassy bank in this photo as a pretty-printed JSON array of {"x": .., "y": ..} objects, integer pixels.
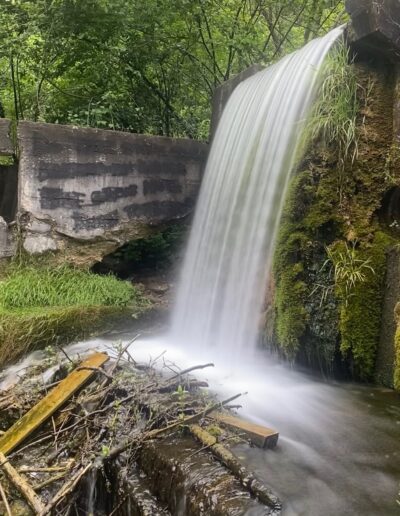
[{"x": 42, "y": 306}]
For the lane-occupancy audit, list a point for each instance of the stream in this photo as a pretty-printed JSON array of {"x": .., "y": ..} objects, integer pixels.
[{"x": 339, "y": 445}]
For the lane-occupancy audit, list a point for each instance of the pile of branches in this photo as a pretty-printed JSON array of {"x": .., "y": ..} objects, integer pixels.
[{"x": 110, "y": 418}]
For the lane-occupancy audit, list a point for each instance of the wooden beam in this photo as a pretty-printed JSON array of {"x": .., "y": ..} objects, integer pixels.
[
  {"x": 50, "y": 403},
  {"x": 260, "y": 436}
]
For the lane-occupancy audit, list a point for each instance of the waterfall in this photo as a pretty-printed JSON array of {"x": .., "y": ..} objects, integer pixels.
[{"x": 256, "y": 146}]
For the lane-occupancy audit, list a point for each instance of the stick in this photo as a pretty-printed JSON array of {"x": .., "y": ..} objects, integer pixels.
[
  {"x": 247, "y": 478},
  {"x": 4, "y": 498},
  {"x": 65, "y": 490},
  {"x": 22, "y": 485},
  {"x": 155, "y": 433},
  {"x": 189, "y": 370}
]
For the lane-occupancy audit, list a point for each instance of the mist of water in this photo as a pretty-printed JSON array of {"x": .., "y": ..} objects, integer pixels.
[{"x": 255, "y": 148}]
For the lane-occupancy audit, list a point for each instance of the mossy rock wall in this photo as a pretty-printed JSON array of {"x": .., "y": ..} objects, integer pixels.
[{"x": 331, "y": 210}]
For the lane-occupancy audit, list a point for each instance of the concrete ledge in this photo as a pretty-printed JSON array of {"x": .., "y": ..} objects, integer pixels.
[
  {"x": 6, "y": 145},
  {"x": 224, "y": 91},
  {"x": 375, "y": 27}
]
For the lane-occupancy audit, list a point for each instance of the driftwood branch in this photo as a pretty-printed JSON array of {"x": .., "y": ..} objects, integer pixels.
[
  {"x": 169, "y": 428},
  {"x": 5, "y": 501},
  {"x": 22, "y": 485},
  {"x": 67, "y": 488},
  {"x": 247, "y": 478},
  {"x": 189, "y": 370}
]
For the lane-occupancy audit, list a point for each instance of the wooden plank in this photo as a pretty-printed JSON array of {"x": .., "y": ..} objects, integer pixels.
[
  {"x": 50, "y": 403},
  {"x": 260, "y": 436}
]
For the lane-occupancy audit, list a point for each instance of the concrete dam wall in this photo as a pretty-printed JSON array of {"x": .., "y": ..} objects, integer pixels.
[{"x": 84, "y": 192}]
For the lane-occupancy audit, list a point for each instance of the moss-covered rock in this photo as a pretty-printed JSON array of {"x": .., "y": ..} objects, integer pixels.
[
  {"x": 331, "y": 206},
  {"x": 396, "y": 378}
]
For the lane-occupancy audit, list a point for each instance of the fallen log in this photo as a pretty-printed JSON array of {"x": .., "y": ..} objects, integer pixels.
[
  {"x": 263, "y": 493},
  {"x": 21, "y": 485}
]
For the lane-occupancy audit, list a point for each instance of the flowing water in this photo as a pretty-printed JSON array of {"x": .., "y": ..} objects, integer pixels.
[
  {"x": 255, "y": 148},
  {"x": 339, "y": 444}
]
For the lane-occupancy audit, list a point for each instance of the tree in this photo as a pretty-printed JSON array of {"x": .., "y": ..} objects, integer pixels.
[{"x": 142, "y": 66}]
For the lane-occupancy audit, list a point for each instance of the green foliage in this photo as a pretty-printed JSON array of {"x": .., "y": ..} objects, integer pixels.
[
  {"x": 335, "y": 113},
  {"x": 25, "y": 329},
  {"x": 147, "y": 67},
  {"x": 155, "y": 251},
  {"x": 62, "y": 286},
  {"x": 349, "y": 270},
  {"x": 43, "y": 306}
]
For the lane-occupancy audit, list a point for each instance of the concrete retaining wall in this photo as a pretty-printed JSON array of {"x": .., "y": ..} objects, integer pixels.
[{"x": 85, "y": 186}]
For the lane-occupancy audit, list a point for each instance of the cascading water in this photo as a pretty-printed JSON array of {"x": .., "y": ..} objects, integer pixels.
[{"x": 254, "y": 150}]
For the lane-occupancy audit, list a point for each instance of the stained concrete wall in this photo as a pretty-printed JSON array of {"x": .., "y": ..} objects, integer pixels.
[
  {"x": 225, "y": 90},
  {"x": 6, "y": 145},
  {"x": 79, "y": 186}
]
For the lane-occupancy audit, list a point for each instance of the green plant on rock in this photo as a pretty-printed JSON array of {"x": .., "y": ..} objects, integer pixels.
[
  {"x": 334, "y": 117},
  {"x": 349, "y": 270},
  {"x": 360, "y": 313}
]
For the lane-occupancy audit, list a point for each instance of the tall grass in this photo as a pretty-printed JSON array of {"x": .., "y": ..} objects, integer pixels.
[
  {"x": 41, "y": 306},
  {"x": 335, "y": 113},
  {"x": 63, "y": 286}
]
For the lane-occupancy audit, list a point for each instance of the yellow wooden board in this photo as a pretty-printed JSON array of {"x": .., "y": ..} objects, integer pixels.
[
  {"x": 50, "y": 403},
  {"x": 259, "y": 435}
]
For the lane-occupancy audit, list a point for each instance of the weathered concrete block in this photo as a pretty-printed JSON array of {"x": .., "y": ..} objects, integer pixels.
[
  {"x": 6, "y": 145},
  {"x": 375, "y": 26},
  {"x": 224, "y": 91},
  {"x": 91, "y": 183},
  {"x": 7, "y": 242},
  {"x": 39, "y": 244}
]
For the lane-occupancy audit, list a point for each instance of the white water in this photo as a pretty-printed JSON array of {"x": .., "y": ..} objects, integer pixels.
[{"x": 255, "y": 148}]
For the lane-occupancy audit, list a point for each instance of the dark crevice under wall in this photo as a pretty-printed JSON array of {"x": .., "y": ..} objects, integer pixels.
[{"x": 8, "y": 191}]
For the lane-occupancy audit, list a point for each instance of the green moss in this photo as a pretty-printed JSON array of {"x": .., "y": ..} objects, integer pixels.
[
  {"x": 396, "y": 377},
  {"x": 360, "y": 313},
  {"x": 335, "y": 203}
]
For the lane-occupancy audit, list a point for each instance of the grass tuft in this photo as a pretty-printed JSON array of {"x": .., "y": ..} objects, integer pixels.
[
  {"x": 42, "y": 306},
  {"x": 334, "y": 115},
  {"x": 62, "y": 286}
]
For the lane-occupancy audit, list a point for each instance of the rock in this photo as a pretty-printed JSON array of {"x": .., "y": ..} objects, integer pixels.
[
  {"x": 38, "y": 226},
  {"x": 7, "y": 245},
  {"x": 375, "y": 27},
  {"x": 39, "y": 244}
]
